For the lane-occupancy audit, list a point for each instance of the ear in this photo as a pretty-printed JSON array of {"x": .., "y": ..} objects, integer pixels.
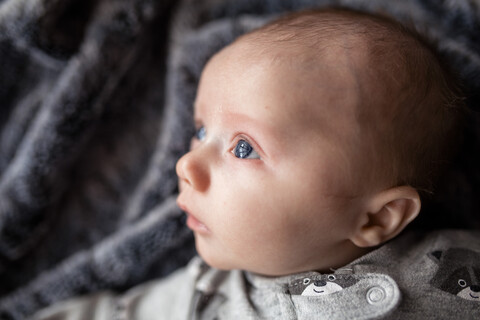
[
  {"x": 436, "y": 255},
  {"x": 385, "y": 215}
]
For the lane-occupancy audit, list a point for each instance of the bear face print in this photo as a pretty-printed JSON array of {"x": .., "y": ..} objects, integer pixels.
[
  {"x": 462, "y": 282},
  {"x": 458, "y": 272},
  {"x": 321, "y": 285}
]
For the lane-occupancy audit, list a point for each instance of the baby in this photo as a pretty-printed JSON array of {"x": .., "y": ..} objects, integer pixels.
[{"x": 315, "y": 136}]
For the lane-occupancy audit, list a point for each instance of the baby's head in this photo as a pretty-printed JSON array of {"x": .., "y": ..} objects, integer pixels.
[{"x": 314, "y": 134}]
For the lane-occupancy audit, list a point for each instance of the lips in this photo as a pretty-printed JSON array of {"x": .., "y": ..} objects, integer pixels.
[{"x": 192, "y": 222}]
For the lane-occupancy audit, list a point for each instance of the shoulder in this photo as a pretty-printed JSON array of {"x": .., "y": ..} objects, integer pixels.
[
  {"x": 168, "y": 296},
  {"x": 438, "y": 273},
  {"x": 92, "y": 307},
  {"x": 416, "y": 246},
  {"x": 457, "y": 264}
]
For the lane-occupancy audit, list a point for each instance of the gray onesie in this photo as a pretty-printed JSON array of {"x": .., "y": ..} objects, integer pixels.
[{"x": 415, "y": 276}]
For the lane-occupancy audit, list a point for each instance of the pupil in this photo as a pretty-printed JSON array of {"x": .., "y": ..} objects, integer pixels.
[{"x": 243, "y": 149}]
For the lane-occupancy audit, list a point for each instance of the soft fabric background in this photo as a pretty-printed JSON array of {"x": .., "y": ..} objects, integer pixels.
[{"x": 95, "y": 109}]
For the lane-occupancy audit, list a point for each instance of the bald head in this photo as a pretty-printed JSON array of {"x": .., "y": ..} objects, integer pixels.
[{"x": 407, "y": 108}]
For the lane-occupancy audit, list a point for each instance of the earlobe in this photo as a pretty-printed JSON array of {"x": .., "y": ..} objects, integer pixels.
[{"x": 386, "y": 215}]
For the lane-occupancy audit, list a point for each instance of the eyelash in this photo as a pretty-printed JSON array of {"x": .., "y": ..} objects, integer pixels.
[{"x": 243, "y": 149}]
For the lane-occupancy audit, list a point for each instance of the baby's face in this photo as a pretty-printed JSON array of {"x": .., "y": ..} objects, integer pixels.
[{"x": 272, "y": 183}]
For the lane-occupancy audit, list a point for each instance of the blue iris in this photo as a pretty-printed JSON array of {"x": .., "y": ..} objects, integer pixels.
[
  {"x": 200, "y": 133},
  {"x": 244, "y": 150}
]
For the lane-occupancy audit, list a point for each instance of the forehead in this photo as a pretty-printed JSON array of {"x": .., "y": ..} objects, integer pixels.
[{"x": 290, "y": 85}]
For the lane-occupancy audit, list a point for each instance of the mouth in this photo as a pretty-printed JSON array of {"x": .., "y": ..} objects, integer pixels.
[
  {"x": 318, "y": 291},
  {"x": 192, "y": 222},
  {"x": 474, "y": 297}
]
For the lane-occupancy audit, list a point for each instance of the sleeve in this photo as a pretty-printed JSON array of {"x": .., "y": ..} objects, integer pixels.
[
  {"x": 168, "y": 298},
  {"x": 92, "y": 307}
]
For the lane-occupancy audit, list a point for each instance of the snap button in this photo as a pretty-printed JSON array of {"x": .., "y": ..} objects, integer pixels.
[{"x": 375, "y": 295}]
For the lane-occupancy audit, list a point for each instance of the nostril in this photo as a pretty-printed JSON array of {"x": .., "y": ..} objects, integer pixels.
[
  {"x": 320, "y": 283},
  {"x": 475, "y": 288}
]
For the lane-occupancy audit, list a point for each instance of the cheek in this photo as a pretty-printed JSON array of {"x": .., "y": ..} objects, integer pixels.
[
  {"x": 238, "y": 208},
  {"x": 262, "y": 220},
  {"x": 260, "y": 212},
  {"x": 243, "y": 206},
  {"x": 317, "y": 198}
]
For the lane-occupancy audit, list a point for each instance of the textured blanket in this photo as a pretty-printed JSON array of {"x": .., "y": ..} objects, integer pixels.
[{"x": 95, "y": 109}]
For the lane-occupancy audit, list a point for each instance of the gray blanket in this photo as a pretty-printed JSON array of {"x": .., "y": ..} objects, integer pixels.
[{"x": 95, "y": 109}]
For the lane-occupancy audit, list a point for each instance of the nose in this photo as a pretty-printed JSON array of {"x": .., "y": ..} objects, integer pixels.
[
  {"x": 475, "y": 288},
  {"x": 320, "y": 283},
  {"x": 193, "y": 170}
]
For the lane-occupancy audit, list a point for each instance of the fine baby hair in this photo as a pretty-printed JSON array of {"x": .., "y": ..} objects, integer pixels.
[{"x": 416, "y": 124}]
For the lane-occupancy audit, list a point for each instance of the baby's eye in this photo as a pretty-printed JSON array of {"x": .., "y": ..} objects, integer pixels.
[
  {"x": 244, "y": 150},
  {"x": 200, "y": 133}
]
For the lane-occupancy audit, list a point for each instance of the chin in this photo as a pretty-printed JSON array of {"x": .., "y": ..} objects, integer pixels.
[
  {"x": 215, "y": 263},
  {"x": 213, "y": 259}
]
